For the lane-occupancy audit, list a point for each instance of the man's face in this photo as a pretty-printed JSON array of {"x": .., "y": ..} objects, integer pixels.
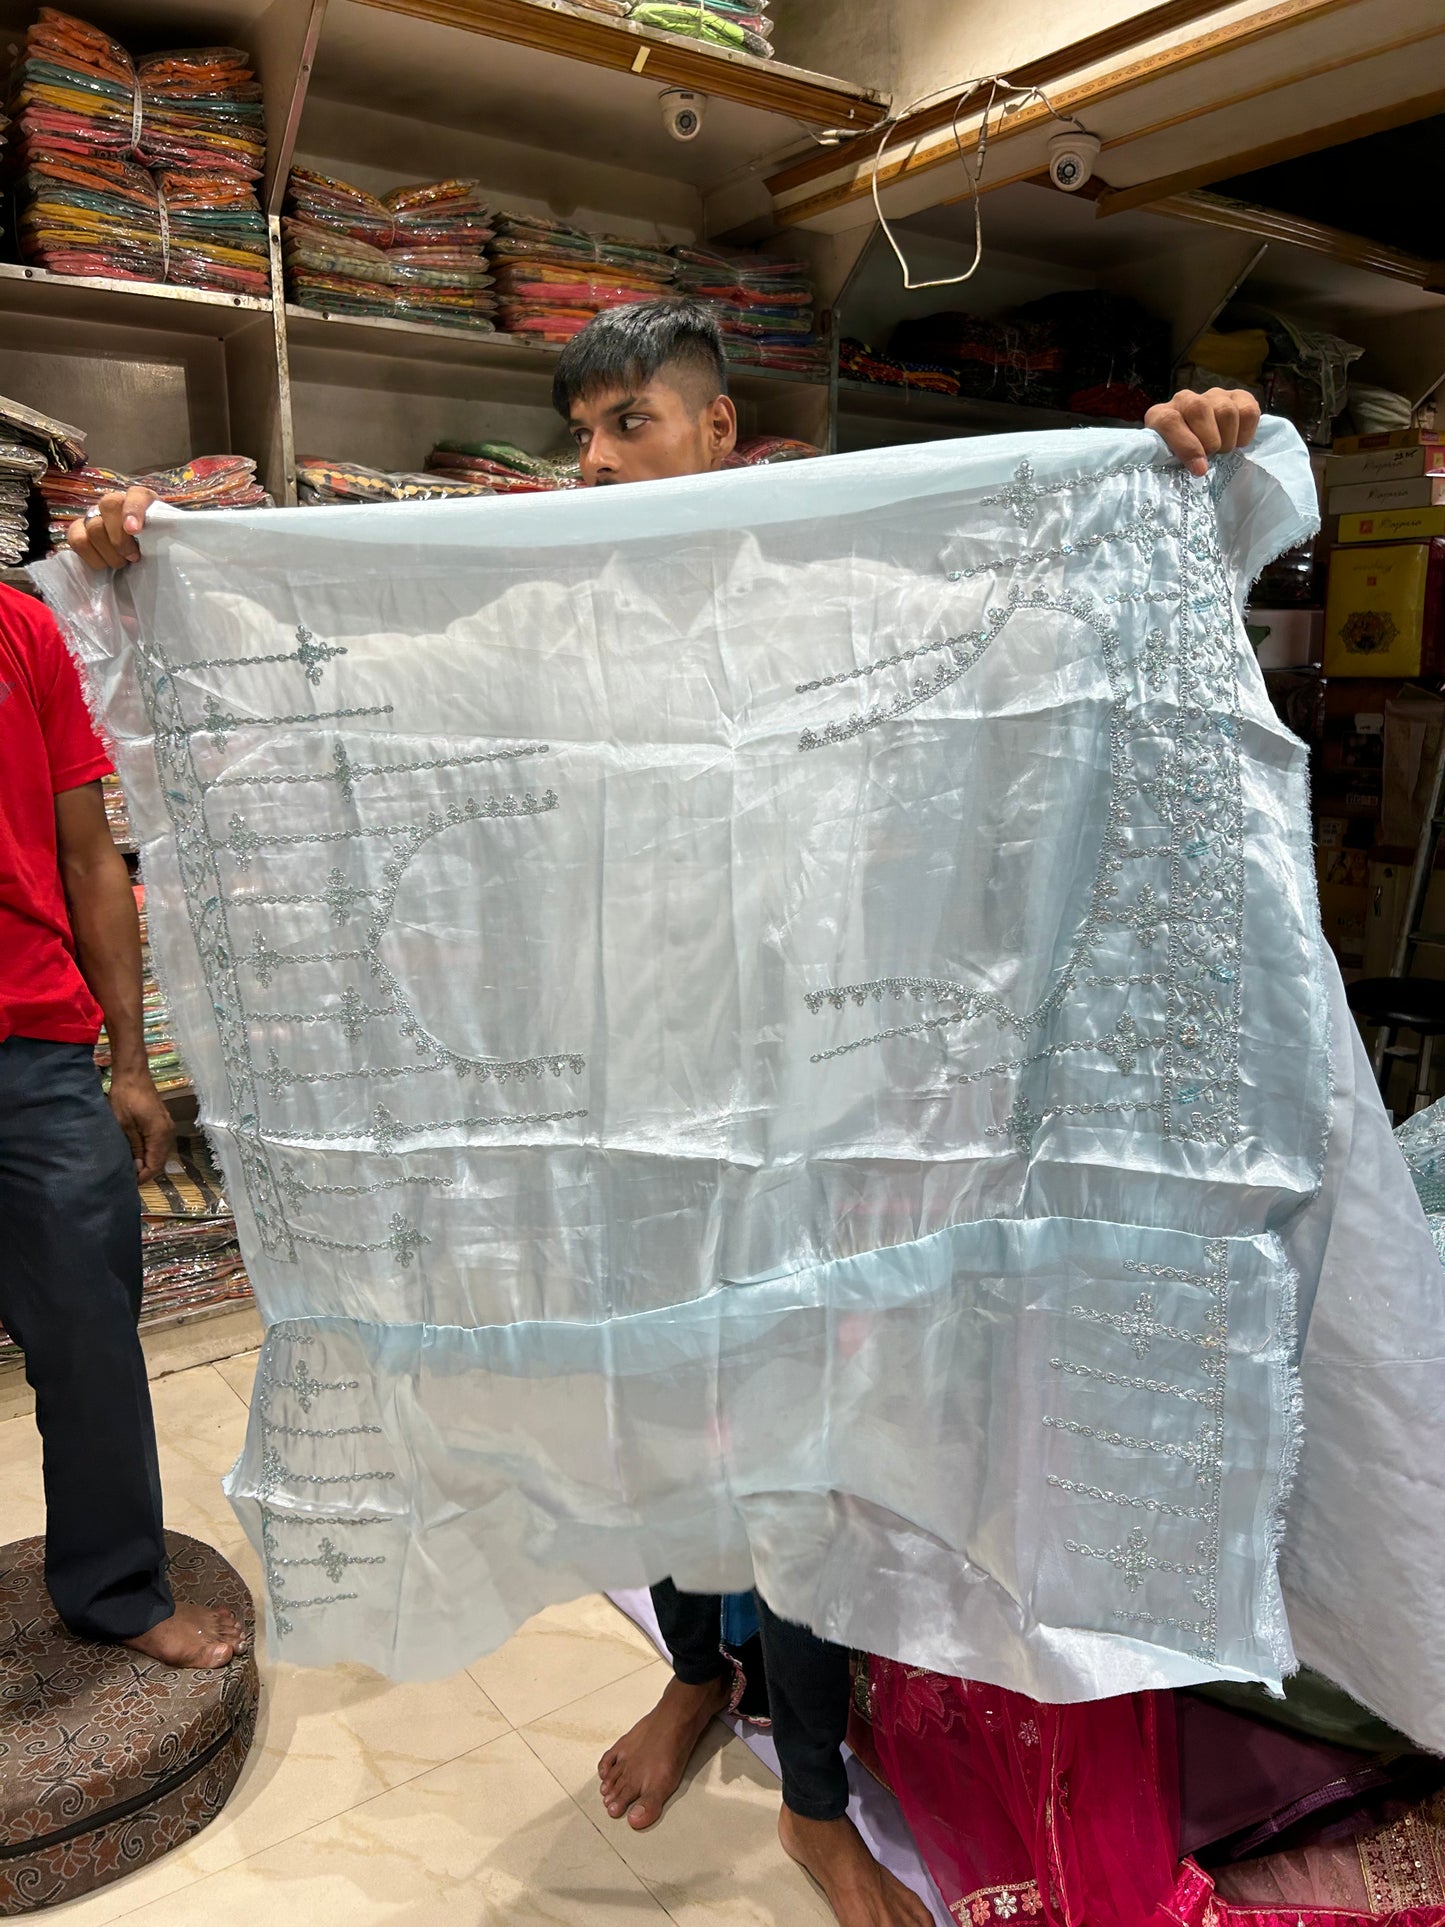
[{"x": 652, "y": 432}]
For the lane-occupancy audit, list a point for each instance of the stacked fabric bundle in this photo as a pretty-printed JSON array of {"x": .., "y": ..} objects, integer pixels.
[
  {"x": 552, "y": 279},
  {"x": 208, "y": 482},
  {"x": 29, "y": 443},
  {"x": 117, "y": 815},
  {"x": 763, "y": 306},
  {"x": 858, "y": 362},
  {"x": 321, "y": 483},
  {"x": 189, "y": 1265},
  {"x": 501, "y": 468},
  {"x": 439, "y": 255},
  {"x": 760, "y": 450},
  {"x": 722, "y": 23},
  {"x": 188, "y": 1238},
  {"x": 320, "y": 200},
  {"x": 329, "y": 271},
  {"x": 420, "y": 254},
  {"x": 166, "y": 1068},
  {"x": 215, "y": 235},
  {"x": 200, "y": 110},
  {"x": 91, "y": 129},
  {"x": 21, "y": 466}
]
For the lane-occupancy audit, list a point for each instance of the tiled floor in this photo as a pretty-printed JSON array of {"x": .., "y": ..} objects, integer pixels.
[{"x": 471, "y": 1802}]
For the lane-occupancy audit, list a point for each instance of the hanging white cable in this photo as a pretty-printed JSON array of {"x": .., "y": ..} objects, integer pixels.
[{"x": 1015, "y": 97}]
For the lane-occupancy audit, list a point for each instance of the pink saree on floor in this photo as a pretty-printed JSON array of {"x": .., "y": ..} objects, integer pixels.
[{"x": 1068, "y": 1816}]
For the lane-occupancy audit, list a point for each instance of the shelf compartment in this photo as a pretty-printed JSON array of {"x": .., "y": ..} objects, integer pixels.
[{"x": 39, "y": 294}]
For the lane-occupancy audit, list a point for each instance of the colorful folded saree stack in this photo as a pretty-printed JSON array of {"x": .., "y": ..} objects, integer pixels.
[
  {"x": 164, "y": 1060},
  {"x": 735, "y": 24},
  {"x": 188, "y": 1238},
  {"x": 501, "y": 468},
  {"x": 858, "y": 362},
  {"x": 763, "y": 306},
  {"x": 552, "y": 279},
  {"x": 438, "y": 254},
  {"x": 759, "y": 451},
  {"x": 200, "y": 111},
  {"x": 139, "y": 173},
  {"x": 418, "y": 255},
  {"x": 323, "y": 483},
  {"x": 207, "y": 482}
]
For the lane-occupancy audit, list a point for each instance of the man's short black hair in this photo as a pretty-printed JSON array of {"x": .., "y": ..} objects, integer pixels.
[{"x": 628, "y": 347}]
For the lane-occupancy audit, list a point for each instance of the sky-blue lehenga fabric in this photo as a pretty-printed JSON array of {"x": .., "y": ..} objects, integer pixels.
[{"x": 767, "y": 1027}]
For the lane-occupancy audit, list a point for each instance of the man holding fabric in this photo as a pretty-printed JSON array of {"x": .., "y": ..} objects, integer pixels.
[{"x": 643, "y": 392}]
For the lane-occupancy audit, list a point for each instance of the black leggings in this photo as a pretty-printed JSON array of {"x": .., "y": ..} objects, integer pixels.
[{"x": 808, "y": 1691}]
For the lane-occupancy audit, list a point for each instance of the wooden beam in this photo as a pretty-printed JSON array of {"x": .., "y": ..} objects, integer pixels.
[
  {"x": 904, "y": 163},
  {"x": 1356, "y": 250},
  {"x": 1079, "y": 54},
  {"x": 672, "y": 60},
  {"x": 1357, "y": 127}
]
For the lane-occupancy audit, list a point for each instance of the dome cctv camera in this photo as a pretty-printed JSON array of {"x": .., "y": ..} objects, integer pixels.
[
  {"x": 1073, "y": 156},
  {"x": 682, "y": 112}
]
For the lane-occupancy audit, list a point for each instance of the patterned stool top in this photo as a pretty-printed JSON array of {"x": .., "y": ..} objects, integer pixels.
[{"x": 89, "y": 1732}]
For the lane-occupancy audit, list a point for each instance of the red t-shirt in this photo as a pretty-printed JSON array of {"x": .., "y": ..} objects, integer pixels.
[{"x": 47, "y": 745}]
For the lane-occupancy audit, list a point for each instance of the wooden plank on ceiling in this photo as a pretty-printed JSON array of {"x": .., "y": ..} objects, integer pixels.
[
  {"x": 1078, "y": 55},
  {"x": 1270, "y": 224},
  {"x": 906, "y": 160},
  {"x": 1335, "y": 134},
  {"x": 672, "y": 61}
]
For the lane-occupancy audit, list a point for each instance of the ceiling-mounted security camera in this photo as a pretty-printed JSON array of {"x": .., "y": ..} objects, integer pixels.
[
  {"x": 682, "y": 112},
  {"x": 1073, "y": 156}
]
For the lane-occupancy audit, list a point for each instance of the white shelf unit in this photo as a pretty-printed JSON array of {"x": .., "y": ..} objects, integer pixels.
[{"x": 537, "y": 102}]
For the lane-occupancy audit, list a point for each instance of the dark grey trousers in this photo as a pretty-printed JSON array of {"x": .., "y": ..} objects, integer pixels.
[
  {"x": 70, "y": 1290},
  {"x": 808, "y": 1691}
]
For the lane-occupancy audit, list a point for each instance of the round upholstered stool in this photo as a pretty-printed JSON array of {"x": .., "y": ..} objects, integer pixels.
[{"x": 107, "y": 1759}]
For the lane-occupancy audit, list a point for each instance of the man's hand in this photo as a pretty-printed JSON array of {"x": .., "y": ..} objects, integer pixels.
[
  {"x": 145, "y": 1121},
  {"x": 106, "y": 538},
  {"x": 1195, "y": 427}
]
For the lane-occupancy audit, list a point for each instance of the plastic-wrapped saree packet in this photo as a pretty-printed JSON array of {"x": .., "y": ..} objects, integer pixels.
[{"x": 710, "y": 20}]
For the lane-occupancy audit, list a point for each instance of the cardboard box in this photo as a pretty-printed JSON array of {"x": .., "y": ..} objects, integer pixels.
[
  {"x": 1345, "y": 914},
  {"x": 1392, "y": 525},
  {"x": 1286, "y": 638},
  {"x": 1417, "y": 492},
  {"x": 1389, "y": 886},
  {"x": 1390, "y": 438},
  {"x": 1384, "y": 465},
  {"x": 1383, "y": 610}
]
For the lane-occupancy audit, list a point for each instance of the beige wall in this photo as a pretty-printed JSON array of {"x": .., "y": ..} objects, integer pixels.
[{"x": 916, "y": 47}]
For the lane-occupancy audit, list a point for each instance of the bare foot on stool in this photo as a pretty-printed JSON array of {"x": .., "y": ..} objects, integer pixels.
[
  {"x": 202, "y": 1636},
  {"x": 642, "y": 1772},
  {"x": 860, "y": 1892}
]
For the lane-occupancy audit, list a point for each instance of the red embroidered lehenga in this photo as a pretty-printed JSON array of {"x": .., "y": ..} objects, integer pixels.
[{"x": 1070, "y": 1816}]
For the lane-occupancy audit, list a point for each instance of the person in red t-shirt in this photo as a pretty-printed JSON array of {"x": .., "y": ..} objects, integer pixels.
[{"x": 70, "y": 1255}]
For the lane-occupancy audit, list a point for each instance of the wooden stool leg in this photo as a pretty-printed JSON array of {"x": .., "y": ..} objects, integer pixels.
[
  {"x": 1422, "y": 1079},
  {"x": 1379, "y": 1063},
  {"x": 1383, "y": 1064}
]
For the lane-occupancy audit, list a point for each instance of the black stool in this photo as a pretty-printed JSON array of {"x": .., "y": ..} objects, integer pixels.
[{"x": 1389, "y": 1005}]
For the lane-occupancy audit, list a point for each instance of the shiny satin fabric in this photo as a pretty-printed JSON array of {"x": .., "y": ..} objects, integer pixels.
[{"x": 768, "y": 1027}]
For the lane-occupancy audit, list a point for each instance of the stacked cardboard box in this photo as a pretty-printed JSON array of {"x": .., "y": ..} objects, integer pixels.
[{"x": 1385, "y": 510}]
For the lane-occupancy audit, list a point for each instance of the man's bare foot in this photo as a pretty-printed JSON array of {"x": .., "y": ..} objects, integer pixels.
[
  {"x": 642, "y": 1772},
  {"x": 860, "y": 1892},
  {"x": 192, "y": 1636}
]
